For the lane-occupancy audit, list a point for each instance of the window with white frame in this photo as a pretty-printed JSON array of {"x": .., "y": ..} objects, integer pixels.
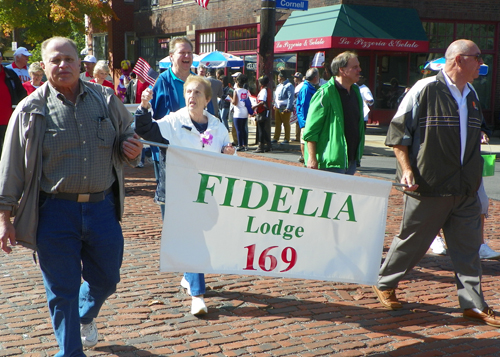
[
  {"x": 100, "y": 46},
  {"x": 212, "y": 41}
]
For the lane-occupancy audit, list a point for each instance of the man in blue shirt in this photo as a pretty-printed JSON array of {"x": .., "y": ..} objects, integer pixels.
[
  {"x": 303, "y": 98},
  {"x": 168, "y": 92}
]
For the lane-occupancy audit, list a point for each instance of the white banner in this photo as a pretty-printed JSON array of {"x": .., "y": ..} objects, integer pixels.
[{"x": 231, "y": 215}]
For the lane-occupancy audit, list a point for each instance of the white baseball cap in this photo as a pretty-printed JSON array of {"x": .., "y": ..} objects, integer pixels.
[
  {"x": 236, "y": 74},
  {"x": 90, "y": 58},
  {"x": 22, "y": 51}
]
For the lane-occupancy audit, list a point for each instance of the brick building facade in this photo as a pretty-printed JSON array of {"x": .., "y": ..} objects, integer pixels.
[{"x": 234, "y": 26}]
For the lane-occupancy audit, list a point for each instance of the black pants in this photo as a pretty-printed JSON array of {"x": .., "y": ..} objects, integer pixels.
[{"x": 264, "y": 137}]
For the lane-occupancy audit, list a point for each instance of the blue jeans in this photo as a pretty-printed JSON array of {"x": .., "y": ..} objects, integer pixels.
[
  {"x": 196, "y": 280},
  {"x": 76, "y": 240},
  {"x": 241, "y": 130},
  {"x": 196, "y": 283}
]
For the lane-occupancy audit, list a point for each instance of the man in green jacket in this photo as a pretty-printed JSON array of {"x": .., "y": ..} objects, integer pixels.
[{"x": 334, "y": 131}]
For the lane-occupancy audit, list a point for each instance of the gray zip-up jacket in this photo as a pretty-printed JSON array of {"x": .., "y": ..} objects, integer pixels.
[
  {"x": 21, "y": 162},
  {"x": 428, "y": 123}
]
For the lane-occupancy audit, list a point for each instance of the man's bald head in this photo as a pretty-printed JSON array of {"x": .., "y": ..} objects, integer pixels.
[
  {"x": 458, "y": 47},
  {"x": 463, "y": 59}
]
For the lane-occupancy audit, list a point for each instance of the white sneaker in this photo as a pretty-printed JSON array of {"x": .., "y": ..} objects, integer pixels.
[
  {"x": 89, "y": 335},
  {"x": 185, "y": 285},
  {"x": 198, "y": 306},
  {"x": 485, "y": 252},
  {"x": 438, "y": 246}
]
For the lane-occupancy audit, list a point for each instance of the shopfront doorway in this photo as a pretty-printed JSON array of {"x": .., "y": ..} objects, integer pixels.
[{"x": 387, "y": 76}]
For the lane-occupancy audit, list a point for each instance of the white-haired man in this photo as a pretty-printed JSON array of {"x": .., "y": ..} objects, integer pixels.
[
  {"x": 20, "y": 64},
  {"x": 63, "y": 183}
]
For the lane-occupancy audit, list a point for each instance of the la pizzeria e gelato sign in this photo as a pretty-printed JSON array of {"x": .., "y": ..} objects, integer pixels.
[{"x": 326, "y": 42}]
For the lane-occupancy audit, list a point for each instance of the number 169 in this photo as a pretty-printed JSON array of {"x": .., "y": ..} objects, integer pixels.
[{"x": 288, "y": 255}]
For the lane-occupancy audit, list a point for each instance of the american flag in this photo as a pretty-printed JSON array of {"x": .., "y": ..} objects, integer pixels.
[
  {"x": 202, "y": 3},
  {"x": 143, "y": 69}
]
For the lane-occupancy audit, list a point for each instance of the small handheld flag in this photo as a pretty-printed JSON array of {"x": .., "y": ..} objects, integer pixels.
[{"x": 143, "y": 69}]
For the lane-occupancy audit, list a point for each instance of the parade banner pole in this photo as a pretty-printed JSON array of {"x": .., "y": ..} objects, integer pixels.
[{"x": 152, "y": 143}]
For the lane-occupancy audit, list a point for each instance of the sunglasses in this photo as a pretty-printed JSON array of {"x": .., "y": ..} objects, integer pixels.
[{"x": 478, "y": 56}]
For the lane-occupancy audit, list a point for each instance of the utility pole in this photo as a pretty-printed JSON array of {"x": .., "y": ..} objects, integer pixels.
[
  {"x": 267, "y": 33},
  {"x": 266, "y": 49}
]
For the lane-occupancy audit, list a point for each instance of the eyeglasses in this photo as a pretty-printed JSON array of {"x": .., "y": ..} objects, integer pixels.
[{"x": 478, "y": 56}]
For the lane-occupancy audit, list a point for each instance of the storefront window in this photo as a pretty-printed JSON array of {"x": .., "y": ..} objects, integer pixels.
[
  {"x": 364, "y": 63},
  {"x": 482, "y": 34},
  {"x": 242, "y": 39},
  {"x": 251, "y": 72},
  {"x": 304, "y": 61},
  {"x": 212, "y": 41},
  {"x": 417, "y": 66},
  {"x": 163, "y": 47},
  {"x": 130, "y": 46},
  {"x": 391, "y": 80},
  {"x": 100, "y": 44},
  {"x": 239, "y": 39},
  {"x": 286, "y": 64},
  {"x": 147, "y": 50},
  {"x": 440, "y": 34}
]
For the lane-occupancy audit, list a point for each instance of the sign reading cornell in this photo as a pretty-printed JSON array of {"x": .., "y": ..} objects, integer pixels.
[
  {"x": 292, "y": 4},
  {"x": 231, "y": 215}
]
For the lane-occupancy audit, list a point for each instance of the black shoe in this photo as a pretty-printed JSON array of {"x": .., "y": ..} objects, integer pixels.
[
  {"x": 241, "y": 148},
  {"x": 259, "y": 150}
]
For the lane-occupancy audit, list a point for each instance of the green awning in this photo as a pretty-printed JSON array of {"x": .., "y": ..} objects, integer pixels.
[{"x": 353, "y": 27}]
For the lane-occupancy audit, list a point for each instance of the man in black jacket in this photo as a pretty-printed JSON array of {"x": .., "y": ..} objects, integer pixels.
[
  {"x": 11, "y": 93},
  {"x": 436, "y": 135}
]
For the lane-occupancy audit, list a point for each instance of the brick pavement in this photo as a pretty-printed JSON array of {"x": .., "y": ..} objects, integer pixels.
[{"x": 250, "y": 315}]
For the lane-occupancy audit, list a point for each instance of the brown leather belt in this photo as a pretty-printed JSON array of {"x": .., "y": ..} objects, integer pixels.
[{"x": 79, "y": 197}]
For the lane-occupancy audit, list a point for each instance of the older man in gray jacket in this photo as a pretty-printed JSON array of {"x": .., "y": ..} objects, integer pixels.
[
  {"x": 60, "y": 176},
  {"x": 436, "y": 135}
]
